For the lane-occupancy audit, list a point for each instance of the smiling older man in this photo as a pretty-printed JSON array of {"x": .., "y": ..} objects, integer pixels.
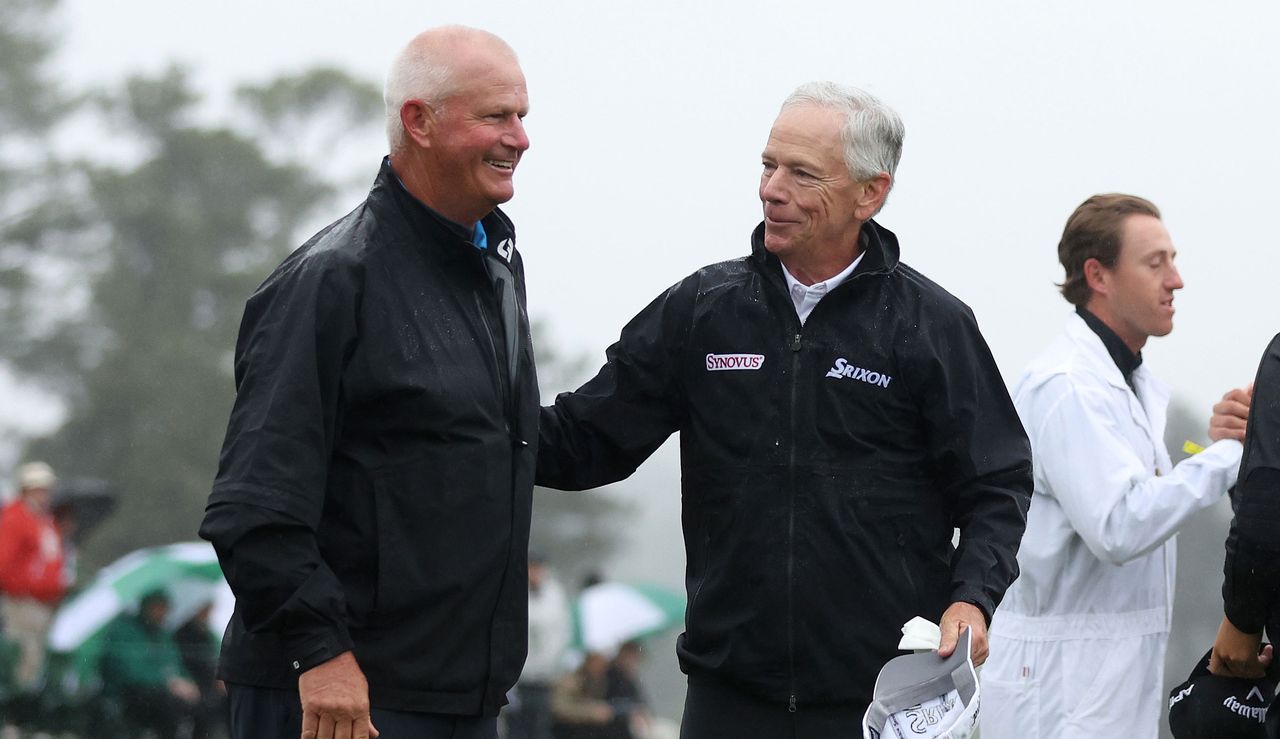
[
  {"x": 839, "y": 416},
  {"x": 371, "y": 509}
]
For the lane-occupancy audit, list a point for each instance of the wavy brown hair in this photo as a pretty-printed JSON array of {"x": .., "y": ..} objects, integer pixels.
[{"x": 1094, "y": 231}]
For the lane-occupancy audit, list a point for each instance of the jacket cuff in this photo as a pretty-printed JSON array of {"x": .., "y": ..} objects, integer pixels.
[
  {"x": 1246, "y": 619},
  {"x": 313, "y": 648},
  {"x": 974, "y": 597}
]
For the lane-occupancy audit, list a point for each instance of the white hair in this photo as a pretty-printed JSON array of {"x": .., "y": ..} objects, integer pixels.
[
  {"x": 872, "y": 133},
  {"x": 426, "y": 70}
]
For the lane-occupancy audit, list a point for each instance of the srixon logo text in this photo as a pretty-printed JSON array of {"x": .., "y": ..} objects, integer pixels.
[
  {"x": 718, "y": 362},
  {"x": 842, "y": 368}
]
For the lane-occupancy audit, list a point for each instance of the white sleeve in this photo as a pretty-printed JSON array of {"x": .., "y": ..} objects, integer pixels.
[{"x": 1113, "y": 497}]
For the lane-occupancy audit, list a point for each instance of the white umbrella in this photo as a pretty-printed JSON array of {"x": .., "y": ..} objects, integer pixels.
[
  {"x": 188, "y": 572},
  {"x": 610, "y": 613}
]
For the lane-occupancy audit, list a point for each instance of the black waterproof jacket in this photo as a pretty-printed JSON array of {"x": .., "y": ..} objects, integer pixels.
[
  {"x": 374, "y": 487},
  {"x": 1251, "y": 588},
  {"x": 824, "y": 466}
]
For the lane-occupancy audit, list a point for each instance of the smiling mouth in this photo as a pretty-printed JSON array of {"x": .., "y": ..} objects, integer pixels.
[{"x": 505, "y": 166}]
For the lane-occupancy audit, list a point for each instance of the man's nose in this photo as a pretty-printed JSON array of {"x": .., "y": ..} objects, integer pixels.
[
  {"x": 1174, "y": 281},
  {"x": 516, "y": 137},
  {"x": 773, "y": 188}
]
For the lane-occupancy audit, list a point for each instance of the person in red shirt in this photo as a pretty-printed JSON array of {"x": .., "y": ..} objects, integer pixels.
[{"x": 32, "y": 578}]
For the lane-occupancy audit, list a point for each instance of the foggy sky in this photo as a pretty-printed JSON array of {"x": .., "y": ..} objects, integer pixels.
[{"x": 648, "y": 119}]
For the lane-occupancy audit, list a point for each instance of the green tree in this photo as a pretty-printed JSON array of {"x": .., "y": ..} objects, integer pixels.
[
  {"x": 31, "y": 180},
  {"x": 29, "y": 175},
  {"x": 168, "y": 249}
]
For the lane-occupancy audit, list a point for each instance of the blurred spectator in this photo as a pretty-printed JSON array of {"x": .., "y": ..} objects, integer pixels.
[
  {"x": 198, "y": 647},
  {"x": 142, "y": 670},
  {"x": 623, "y": 691},
  {"x": 580, "y": 707},
  {"x": 32, "y": 570},
  {"x": 549, "y": 633}
]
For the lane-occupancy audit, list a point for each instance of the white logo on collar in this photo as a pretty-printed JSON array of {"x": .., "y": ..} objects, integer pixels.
[
  {"x": 505, "y": 248},
  {"x": 842, "y": 369},
  {"x": 721, "y": 362}
]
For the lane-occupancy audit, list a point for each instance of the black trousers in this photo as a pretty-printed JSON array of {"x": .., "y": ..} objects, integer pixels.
[
  {"x": 266, "y": 713},
  {"x": 714, "y": 710}
]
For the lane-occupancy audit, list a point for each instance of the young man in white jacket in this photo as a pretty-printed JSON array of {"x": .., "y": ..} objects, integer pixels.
[{"x": 1078, "y": 644}]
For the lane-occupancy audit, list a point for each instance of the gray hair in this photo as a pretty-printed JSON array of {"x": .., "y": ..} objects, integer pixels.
[
  {"x": 872, "y": 132},
  {"x": 426, "y": 70}
]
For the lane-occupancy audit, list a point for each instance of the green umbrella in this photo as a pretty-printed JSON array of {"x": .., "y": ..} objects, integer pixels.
[{"x": 187, "y": 572}]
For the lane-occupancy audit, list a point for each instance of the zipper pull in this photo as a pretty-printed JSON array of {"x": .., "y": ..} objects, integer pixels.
[
  {"x": 791, "y": 705},
  {"x": 795, "y": 343}
]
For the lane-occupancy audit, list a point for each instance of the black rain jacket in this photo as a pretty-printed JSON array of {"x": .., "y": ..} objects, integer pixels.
[
  {"x": 823, "y": 467},
  {"x": 375, "y": 484},
  {"x": 1251, "y": 588}
]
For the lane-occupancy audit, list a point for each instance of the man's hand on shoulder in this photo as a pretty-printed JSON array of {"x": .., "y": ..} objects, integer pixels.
[
  {"x": 335, "y": 700},
  {"x": 1231, "y": 415},
  {"x": 954, "y": 619}
]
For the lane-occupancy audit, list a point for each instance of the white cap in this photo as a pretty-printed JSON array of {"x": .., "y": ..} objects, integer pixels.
[
  {"x": 35, "y": 475},
  {"x": 922, "y": 696}
]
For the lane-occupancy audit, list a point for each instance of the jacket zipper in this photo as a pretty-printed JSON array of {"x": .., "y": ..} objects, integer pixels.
[
  {"x": 503, "y": 381},
  {"x": 506, "y": 382},
  {"x": 791, "y": 472},
  {"x": 791, "y": 528}
]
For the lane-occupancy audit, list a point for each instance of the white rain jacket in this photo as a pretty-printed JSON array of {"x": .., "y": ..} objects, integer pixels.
[{"x": 1077, "y": 646}]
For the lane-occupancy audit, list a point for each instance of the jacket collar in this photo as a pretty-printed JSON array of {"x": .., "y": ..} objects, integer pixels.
[
  {"x": 452, "y": 239},
  {"x": 1094, "y": 348},
  {"x": 1125, "y": 358},
  {"x": 878, "y": 243},
  {"x": 1148, "y": 398}
]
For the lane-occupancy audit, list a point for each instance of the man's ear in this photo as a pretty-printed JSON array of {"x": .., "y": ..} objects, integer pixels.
[
  {"x": 872, "y": 196},
  {"x": 1095, "y": 275},
  {"x": 419, "y": 121}
]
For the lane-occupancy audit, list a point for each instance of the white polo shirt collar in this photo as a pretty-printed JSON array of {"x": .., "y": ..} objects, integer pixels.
[{"x": 805, "y": 297}]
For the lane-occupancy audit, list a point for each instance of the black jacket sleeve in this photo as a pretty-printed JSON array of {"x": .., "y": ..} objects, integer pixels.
[
  {"x": 1251, "y": 589},
  {"x": 604, "y": 430},
  {"x": 981, "y": 458},
  {"x": 298, "y": 331}
]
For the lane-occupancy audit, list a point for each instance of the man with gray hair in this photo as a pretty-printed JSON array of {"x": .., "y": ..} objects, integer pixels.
[
  {"x": 371, "y": 507},
  {"x": 839, "y": 416}
]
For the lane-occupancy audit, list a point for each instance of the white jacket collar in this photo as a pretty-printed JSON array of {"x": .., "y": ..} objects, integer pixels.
[
  {"x": 1149, "y": 406},
  {"x": 1096, "y": 352}
]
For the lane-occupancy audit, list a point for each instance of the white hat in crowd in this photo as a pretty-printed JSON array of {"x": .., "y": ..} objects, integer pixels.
[{"x": 35, "y": 475}]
